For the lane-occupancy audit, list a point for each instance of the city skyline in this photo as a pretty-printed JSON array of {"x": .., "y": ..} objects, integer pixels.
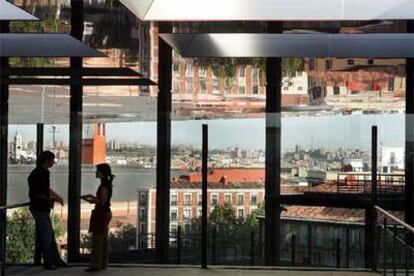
[{"x": 330, "y": 132}]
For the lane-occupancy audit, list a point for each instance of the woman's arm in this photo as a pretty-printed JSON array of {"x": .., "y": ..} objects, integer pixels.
[{"x": 103, "y": 196}]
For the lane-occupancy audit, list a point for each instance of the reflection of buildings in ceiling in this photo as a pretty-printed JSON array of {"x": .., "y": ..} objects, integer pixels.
[
  {"x": 379, "y": 26},
  {"x": 26, "y": 106},
  {"x": 364, "y": 84}
]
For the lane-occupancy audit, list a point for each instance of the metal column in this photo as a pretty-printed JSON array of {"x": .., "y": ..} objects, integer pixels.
[
  {"x": 409, "y": 137},
  {"x": 75, "y": 138},
  {"x": 163, "y": 147},
  {"x": 204, "y": 197},
  {"x": 273, "y": 154},
  {"x": 4, "y": 126},
  {"x": 370, "y": 213},
  {"x": 39, "y": 138},
  {"x": 37, "y": 258}
]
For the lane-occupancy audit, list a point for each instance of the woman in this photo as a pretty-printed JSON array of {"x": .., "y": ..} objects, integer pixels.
[{"x": 102, "y": 202}]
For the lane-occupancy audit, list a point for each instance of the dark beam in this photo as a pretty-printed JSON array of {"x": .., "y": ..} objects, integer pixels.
[
  {"x": 66, "y": 71},
  {"x": 409, "y": 137},
  {"x": 370, "y": 213},
  {"x": 163, "y": 147},
  {"x": 37, "y": 258},
  {"x": 204, "y": 198},
  {"x": 4, "y": 128},
  {"x": 273, "y": 154},
  {"x": 78, "y": 81},
  {"x": 75, "y": 138},
  {"x": 39, "y": 138}
]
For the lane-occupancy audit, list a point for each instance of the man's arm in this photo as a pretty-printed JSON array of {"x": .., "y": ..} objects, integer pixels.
[{"x": 56, "y": 197}]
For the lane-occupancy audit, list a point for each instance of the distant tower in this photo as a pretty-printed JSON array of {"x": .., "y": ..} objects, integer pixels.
[
  {"x": 17, "y": 146},
  {"x": 94, "y": 148}
]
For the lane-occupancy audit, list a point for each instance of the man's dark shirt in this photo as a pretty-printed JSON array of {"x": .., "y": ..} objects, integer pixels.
[{"x": 39, "y": 184}]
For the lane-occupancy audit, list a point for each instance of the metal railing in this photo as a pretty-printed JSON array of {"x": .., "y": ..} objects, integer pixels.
[
  {"x": 3, "y": 227},
  {"x": 395, "y": 244},
  {"x": 360, "y": 183}
]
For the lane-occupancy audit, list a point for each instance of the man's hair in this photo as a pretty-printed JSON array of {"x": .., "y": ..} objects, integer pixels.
[{"x": 45, "y": 156}]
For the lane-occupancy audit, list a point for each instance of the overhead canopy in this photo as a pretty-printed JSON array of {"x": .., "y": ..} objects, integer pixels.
[
  {"x": 43, "y": 45},
  {"x": 269, "y": 10},
  {"x": 9, "y": 12},
  {"x": 292, "y": 45}
]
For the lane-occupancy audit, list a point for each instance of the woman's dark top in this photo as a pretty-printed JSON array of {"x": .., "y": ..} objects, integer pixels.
[
  {"x": 107, "y": 206},
  {"x": 39, "y": 185}
]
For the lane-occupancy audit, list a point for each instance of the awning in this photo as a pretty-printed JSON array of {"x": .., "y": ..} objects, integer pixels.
[
  {"x": 270, "y": 10},
  {"x": 215, "y": 45},
  {"x": 43, "y": 45},
  {"x": 9, "y": 12}
]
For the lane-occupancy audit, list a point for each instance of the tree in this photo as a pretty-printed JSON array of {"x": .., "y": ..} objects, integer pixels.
[
  {"x": 20, "y": 236},
  {"x": 123, "y": 238}
]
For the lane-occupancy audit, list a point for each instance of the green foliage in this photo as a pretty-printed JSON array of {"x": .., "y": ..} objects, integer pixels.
[
  {"x": 123, "y": 238},
  {"x": 291, "y": 65},
  {"x": 20, "y": 236}
]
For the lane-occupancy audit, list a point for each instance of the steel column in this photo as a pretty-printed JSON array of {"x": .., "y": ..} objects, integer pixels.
[
  {"x": 409, "y": 138},
  {"x": 4, "y": 127},
  {"x": 204, "y": 168},
  {"x": 273, "y": 154},
  {"x": 370, "y": 213},
  {"x": 163, "y": 147},
  {"x": 75, "y": 138}
]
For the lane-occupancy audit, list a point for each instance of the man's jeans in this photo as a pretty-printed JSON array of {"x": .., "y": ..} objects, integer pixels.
[{"x": 46, "y": 238}]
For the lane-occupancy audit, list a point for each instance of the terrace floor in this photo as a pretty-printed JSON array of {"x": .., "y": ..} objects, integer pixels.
[{"x": 179, "y": 271}]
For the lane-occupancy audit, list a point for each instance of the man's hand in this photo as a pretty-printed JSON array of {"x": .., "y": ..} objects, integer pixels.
[{"x": 56, "y": 197}]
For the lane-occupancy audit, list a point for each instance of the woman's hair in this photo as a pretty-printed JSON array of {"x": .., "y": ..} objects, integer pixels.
[
  {"x": 106, "y": 171},
  {"x": 45, "y": 156}
]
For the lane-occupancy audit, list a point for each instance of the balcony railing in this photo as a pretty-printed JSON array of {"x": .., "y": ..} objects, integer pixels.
[
  {"x": 395, "y": 244},
  {"x": 356, "y": 183}
]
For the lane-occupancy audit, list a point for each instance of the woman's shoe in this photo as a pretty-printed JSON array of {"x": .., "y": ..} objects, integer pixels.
[{"x": 91, "y": 269}]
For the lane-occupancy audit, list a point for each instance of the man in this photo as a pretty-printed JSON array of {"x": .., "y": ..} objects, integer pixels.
[{"x": 42, "y": 199}]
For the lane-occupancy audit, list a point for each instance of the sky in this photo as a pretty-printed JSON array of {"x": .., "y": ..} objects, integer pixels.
[{"x": 330, "y": 132}]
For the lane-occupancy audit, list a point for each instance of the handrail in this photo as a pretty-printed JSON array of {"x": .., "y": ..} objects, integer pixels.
[
  {"x": 407, "y": 226},
  {"x": 18, "y": 205}
]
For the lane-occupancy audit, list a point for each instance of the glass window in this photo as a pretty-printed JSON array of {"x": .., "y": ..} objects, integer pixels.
[
  {"x": 242, "y": 90},
  {"x": 200, "y": 199},
  {"x": 187, "y": 213},
  {"x": 173, "y": 215},
  {"x": 240, "y": 199},
  {"x": 253, "y": 200},
  {"x": 328, "y": 64},
  {"x": 214, "y": 199},
  {"x": 173, "y": 228},
  {"x": 227, "y": 198},
  {"x": 143, "y": 214},
  {"x": 187, "y": 199},
  {"x": 242, "y": 71},
  {"x": 350, "y": 62},
  {"x": 240, "y": 213},
  {"x": 142, "y": 199},
  {"x": 173, "y": 200},
  {"x": 312, "y": 64}
]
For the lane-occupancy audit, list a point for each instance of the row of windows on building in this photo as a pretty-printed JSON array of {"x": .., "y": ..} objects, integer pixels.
[
  {"x": 329, "y": 63},
  {"x": 203, "y": 79},
  {"x": 214, "y": 199}
]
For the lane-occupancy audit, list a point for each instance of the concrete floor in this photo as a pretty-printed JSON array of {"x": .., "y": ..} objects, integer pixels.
[{"x": 176, "y": 271}]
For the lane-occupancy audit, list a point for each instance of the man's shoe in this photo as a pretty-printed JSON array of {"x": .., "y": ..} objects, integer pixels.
[
  {"x": 50, "y": 267},
  {"x": 62, "y": 264},
  {"x": 91, "y": 269}
]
